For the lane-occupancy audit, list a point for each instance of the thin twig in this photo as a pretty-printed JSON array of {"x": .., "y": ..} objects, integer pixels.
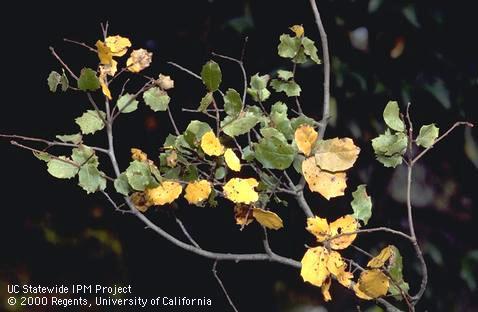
[
  {"x": 459, "y": 123},
  {"x": 325, "y": 52},
  {"x": 112, "y": 202},
  {"x": 63, "y": 63},
  {"x": 371, "y": 230},
  {"x": 15, "y": 143},
  {"x": 241, "y": 65},
  {"x": 214, "y": 272},
  {"x": 184, "y": 69},
  {"x": 50, "y": 143},
  {"x": 81, "y": 44},
  {"x": 95, "y": 106},
  {"x": 176, "y": 130},
  {"x": 186, "y": 233}
]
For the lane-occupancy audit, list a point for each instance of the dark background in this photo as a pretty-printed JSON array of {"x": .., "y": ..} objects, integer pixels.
[{"x": 51, "y": 232}]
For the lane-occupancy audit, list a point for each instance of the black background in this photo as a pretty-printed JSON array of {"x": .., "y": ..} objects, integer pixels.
[{"x": 186, "y": 32}]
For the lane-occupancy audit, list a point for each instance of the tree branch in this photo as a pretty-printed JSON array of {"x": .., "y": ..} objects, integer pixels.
[
  {"x": 63, "y": 63},
  {"x": 214, "y": 272}
]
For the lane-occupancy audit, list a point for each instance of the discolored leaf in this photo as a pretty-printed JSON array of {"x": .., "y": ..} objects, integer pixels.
[
  {"x": 165, "y": 82},
  {"x": 127, "y": 103},
  {"x": 305, "y": 137},
  {"x": 195, "y": 131},
  {"x": 371, "y": 284},
  {"x": 88, "y": 81},
  {"x": 211, "y": 76},
  {"x": 211, "y": 145},
  {"x": 314, "y": 266},
  {"x": 298, "y": 30},
  {"x": 325, "y": 289},
  {"x": 156, "y": 99},
  {"x": 139, "y": 60},
  {"x": 391, "y": 115},
  {"x": 267, "y": 218},
  {"x": 345, "y": 224},
  {"x": 165, "y": 193},
  {"x": 395, "y": 269},
  {"x": 240, "y": 190},
  {"x": 140, "y": 201},
  {"x": 338, "y": 268},
  {"x": 379, "y": 260},
  {"x": 336, "y": 154},
  {"x": 197, "y": 191},
  {"x": 232, "y": 161},
  {"x": 90, "y": 122},
  {"x": 325, "y": 183},
  {"x": 118, "y": 45},
  {"x": 427, "y": 135},
  {"x": 104, "y": 53},
  {"x": 318, "y": 227},
  {"x": 55, "y": 79},
  {"x": 139, "y": 155},
  {"x": 361, "y": 204}
]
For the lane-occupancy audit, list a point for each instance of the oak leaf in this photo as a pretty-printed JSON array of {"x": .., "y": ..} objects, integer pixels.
[
  {"x": 197, "y": 191},
  {"x": 325, "y": 183},
  {"x": 336, "y": 154},
  {"x": 241, "y": 190},
  {"x": 211, "y": 145},
  {"x": 305, "y": 137},
  {"x": 232, "y": 161},
  {"x": 139, "y": 60}
]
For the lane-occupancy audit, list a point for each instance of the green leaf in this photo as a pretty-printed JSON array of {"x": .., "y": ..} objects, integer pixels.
[
  {"x": 84, "y": 154},
  {"x": 291, "y": 88},
  {"x": 42, "y": 156},
  {"x": 205, "y": 102},
  {"x": 391, "y": 115},
  {"x": 390, "y": 144},
  {"x": 285, "y": 74},
  {"x": 389, "y": 161},
  {"x": 241, "y": 125},
  {"x": 273, "y": 153},
  {"x": 280, "y": 121},
  {"x": 232, "y": 103},
  {"x": 127, "y": 103},
  {"x": 248, "y": 154},
  {"x": 139, "y": 176},
  {"x": 90, "y": 122},
  {"x": 395, "y": 269},
  {"x": 91, "y": 179},
  {"x": 288, "y": 46},
  {"x": 156, "y": 99},
  {"x": 194, "y": 132},
  {"x": 258, "y": 89},
  {"x": 310, "y": 49},
  {"x": 211, "y": 75},
  {"x": 361, "y": 204},
  {"x": 62, "y": 169},
  {"x": 76, "y": 138},
  {"x": 220, "y": 173},
  {"x": 427, "y": 135},
  {"x": 121, "y": 185},
  {"x": 88, "y": 81},
  {"x": 55, "y": 79},
  {"x": 272, "y": 132},
  {"x": 298, "y": 159},
  {"x": 300, "y": 58},
  {"x": 302, "y": 120}
]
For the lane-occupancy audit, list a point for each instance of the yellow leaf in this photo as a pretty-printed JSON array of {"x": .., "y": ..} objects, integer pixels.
[
  {"x": 345, "y": 224},
  {"x": 232, "y": 161},
  {"x": 104, "y": 53},
  {"x": 211, "y": 145},
  {"x": 197, "y": 191},
  {"x": 139, "y": 60},
  {"x": 137, "y": 154},
  {"x": 319, "y": 228},
  {"x": 336, "y": 154},
  {"x": 305, "y": 137},
  {"x": 241, "y": 190},
  {"x": 104, "y": 85},
  {"x": 165, "y": 193},
  {"x": 325, "y": 288},
  {"x": 267, "y": 218},
  {"x": 118, "y": 45},
  {"x": 327, "y": 184},
  {"x": 379, "y": 260},
  {"x": 372, "y": 284},
  {"x": 165, "y": 82},
  {"x": 314, "y": 266},
  {"x": 140, "y": 201},
  {"x": 243, "y": 215},
  {"x": 337, "y": 267},
  {"x": 298, "y": 30}
]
